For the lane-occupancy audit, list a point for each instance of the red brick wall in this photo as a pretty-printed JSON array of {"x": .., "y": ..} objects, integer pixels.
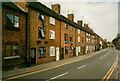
[
  {"x": 34, "y": 24},
  {"x": 67, "y": 31},
  {"x": 14, "y": 36}
]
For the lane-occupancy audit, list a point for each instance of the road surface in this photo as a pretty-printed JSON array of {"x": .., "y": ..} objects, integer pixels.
[{"x": 98, "y": 67}]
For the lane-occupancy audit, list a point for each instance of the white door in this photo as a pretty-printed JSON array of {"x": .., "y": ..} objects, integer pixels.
[
  {"x": 57, "y": 53},
  {"x": 76, "y": 51}
]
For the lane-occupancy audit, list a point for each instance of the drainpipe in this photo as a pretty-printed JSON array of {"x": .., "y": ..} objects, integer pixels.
[
  {"x": 60, "y": 41},
  {"x": 26, "y": 37},
  {"x": 91, "y": 44},
  {"x": 29, "y": 37},
  {"x": 75, "y": 42},
  {"x": 85, "y": 43}
]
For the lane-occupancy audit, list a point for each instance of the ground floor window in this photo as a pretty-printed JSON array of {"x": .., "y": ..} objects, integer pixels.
[
  {"x": 52, "y": 51},
  {"x": 66, "y": 50},
  {"x": 11, "y": 49},
  {"x": 42, "y": 52}
]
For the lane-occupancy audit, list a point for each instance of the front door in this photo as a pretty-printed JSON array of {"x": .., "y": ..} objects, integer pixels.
[
  {"x": 33, "y": 55},
  {"x": 76, "y": 51},
  {"x": 57, "y": 53},
  {"x": 62, "y": 56}
]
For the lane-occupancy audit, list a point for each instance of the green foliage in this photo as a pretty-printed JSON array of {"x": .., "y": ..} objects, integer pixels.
[{"x": 114, "y": 41}]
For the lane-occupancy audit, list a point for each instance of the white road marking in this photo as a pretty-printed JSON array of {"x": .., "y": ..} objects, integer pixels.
[
  {"x": 101, "y": 57},
  {"x": 57, "y": 76},
  {"x": 105, "y": 54},
  {"x": 81, "y": 67}
]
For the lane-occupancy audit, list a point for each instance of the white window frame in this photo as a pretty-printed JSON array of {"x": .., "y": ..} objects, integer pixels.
[
  {"x": 71, "y": 28},
  {"x": 86, "y": 48},
  {"x": 78, "y": 39},
  {"x": 82, "y": 32},
  {"x": 52, "y": 20},
  {"x": 78, "y": 31},
  {"x": 52, "y": 34},
  {"x": 79, "y": 49},
  {"x": 52, "y": 49},
  {"x": 87, "y": 40},
  {"x": 66, "y": 26}
]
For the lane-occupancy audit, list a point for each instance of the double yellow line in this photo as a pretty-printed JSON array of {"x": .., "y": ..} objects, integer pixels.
[
  {"x": 22, "y": 75},
  {"x": 109, "y": 73}
]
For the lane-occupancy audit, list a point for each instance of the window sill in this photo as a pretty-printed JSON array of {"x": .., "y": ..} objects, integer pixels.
[
  {"x": 41, "y": 37},
  {"x": 11, "y": 57},
  {"x": 42, "y": 57},
  {"x": 52, "y": 24},
  {"x": 52, "y": 56},
  {"x": 52, "y": 38},
  {"x": 12, "y": 28}
]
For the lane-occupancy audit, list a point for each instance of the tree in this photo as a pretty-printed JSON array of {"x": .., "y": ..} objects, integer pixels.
[{"x": 115, "y": 40}]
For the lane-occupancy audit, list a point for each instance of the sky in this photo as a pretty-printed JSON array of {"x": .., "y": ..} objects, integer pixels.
[{"x": 100, "y": 15}]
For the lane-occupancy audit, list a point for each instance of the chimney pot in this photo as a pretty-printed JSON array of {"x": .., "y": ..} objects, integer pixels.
[
  {"x": 56, "y": 8},
  {"x": 80, "y": 22},
  {"x": 71, "y": 17}
]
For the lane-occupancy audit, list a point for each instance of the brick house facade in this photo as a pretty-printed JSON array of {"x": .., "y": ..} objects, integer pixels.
[
  {"x": 13, "y": 35},
  {"x": 45, "y": 35}
]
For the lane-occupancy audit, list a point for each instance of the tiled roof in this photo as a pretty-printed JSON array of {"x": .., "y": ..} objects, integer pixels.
[
  {"x": 11, "y": 5},
  {"x": 40, "y": 7}
]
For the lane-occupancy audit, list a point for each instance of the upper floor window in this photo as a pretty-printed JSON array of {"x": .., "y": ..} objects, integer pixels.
[
  {"x": 66, "y": 26},
  {"x": 12, "y": 20},
  {"x": 78, "y": 39},
  {"x": 66, "y": 37},
  {"x": 71, "y": 37},
  {"x": 42, "y": 18},
  {"x": 52, "y": 34},
  {"x": 82, "y": 40},
  {"x": 41, "y": 33},
  {"x": 87, "y": 34},
  {"x": 82, "y": 32},
  {"x": 52, "y": 21},
  {"x": 78, "y": 31},
  {"x": 87, "y": 40},
  {"x": 71, "y": 28}
]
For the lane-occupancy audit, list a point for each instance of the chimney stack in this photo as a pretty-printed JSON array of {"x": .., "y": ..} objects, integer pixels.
[
  {"x": 80, "y": 22},
  {"x": 71, "y": 17},
  {"x": 56, "y": 8},
  {"x": 86, "y": 25}
]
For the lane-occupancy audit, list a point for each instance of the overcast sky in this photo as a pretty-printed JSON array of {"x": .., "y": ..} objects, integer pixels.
[{"x": 102, "y": 17}]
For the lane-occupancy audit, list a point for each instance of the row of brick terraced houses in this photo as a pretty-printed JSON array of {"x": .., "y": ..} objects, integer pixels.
[{"x": 33, "y": 33}]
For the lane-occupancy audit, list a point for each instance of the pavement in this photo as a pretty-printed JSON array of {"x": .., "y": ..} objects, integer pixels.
[{"x": 94, "y": 66}]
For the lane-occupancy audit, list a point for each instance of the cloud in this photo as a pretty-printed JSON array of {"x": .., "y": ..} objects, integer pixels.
[{"x": 101, "y": 16}]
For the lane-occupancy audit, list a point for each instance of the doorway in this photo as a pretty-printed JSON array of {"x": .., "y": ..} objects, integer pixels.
[
  {"x": 57, "y": 53},
  {"x": 62, "y": 56},
  {"x": 76, "y": 51},
  {"x": 33, "y": 55}
]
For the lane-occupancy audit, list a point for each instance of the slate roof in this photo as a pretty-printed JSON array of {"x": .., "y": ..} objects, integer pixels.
[
  {"x": 11, "y": 5},
  {"x": 40, "y": 7}
]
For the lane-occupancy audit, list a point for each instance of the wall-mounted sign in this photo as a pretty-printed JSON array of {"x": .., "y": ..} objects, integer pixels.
[{"x": 66, "y": 43}]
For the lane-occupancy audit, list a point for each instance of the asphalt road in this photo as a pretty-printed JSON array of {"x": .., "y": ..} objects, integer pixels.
[{"x": 95, "y": 67}]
